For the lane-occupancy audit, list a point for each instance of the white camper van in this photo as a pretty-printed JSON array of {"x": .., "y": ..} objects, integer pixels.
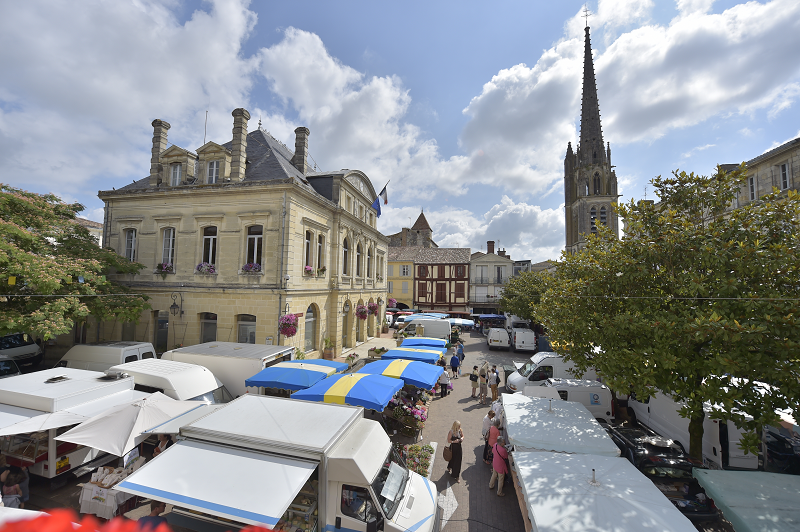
[
  {"x": 720, "y": 438},
  {"x": 232, "y": 363},
  {"x": 595, "y": 396},
  {"x": 540, "y": 367},
  {"x": 179, "y": 380},
  {"x": 433, "y": 328},
  {"x": 100, "y": 357},
  {"x": 342, "y": 475},
  {"x": 523, "y": 339}
]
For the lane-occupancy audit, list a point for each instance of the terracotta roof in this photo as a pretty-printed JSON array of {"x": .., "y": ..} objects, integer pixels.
[
  {"x": 403, "y": 253},
  {"x": 421, "y": 223}
]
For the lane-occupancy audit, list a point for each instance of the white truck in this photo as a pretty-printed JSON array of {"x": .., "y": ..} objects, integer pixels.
[
  {"x": 287, "y": 465},
  {"x": 232, "y": 363},
  {"x": 178, "y": 380}
]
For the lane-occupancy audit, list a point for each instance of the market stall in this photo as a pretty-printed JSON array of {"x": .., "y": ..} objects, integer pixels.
[
  {"x": 534, "y": 424},
  {"x": 429, "y": 356},
  {"x": 294, "y": 375},
  {"x": 98, "y": 496},
  {"x": 586, "y": 493},
  {"x": 423, "y": 342},
  {"x": 354, "y": 389}
]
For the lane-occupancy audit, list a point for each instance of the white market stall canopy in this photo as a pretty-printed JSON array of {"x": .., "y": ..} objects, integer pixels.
[
  {"x": 180, "y": 476},
  {"x": 562, "y": 495},
  {"x": 55, "y": 389},
  {"x": 173, "y": 426},
  {"x": 535, "y": 424},
  {"x": 754, "y": 501}
]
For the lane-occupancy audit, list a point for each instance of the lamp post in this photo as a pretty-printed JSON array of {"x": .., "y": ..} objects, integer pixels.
[{"x": 174, "y": 308}]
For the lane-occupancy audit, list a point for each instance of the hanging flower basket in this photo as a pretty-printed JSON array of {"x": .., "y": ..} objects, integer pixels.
[
  {"x": 372, "y": 308},
  {"x": 361, "y": 312},
  {"x": 164, "y": 268},
  {"x": 251, "y": 267},
  {"x": 287, "y": 325},
  {"x": 206, "y": 268},
  {"x": 392, "y": 303}
]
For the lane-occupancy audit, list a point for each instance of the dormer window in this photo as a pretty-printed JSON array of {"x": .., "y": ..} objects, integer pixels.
[
  {"x": 213, "y": 172},
  {"x": 175, "y": 175}
]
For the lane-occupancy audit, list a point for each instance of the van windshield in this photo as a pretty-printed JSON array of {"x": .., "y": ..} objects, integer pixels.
[
  {"x": 218, "y": 396},
  {"x": 8, "y": 367},
  {"x": 390, "y": 483},
  {"x": 15, "y": 340},
  {"x": 527, "y": 368}
]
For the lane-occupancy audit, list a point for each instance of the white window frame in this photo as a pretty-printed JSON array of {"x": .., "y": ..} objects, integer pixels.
[
  {"x": 168, "y": 246},
  {"x": 175, "y": 174},
  {"x": 130, "y": 244},
  {"x": 212, "y": 246},
  {"x": 751, "y": 184},
  {"x": 320, "y": 251},
  {"x": 212, "y": 175},
  {"x": 369, "y": 262},
  {"x": 358, "y": 259},
  {"x": 391, "y": 287},
  {"x": 309, "y": 238},
  {"x": 346, "y": 256},
  {"x": 783, "y": 172},
  {"x": 256, "y": 243},
  {"x": 405, "y": 270}
]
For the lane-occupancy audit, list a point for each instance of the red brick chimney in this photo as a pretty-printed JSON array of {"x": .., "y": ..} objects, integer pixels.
[{"x": 490, "y": 247}]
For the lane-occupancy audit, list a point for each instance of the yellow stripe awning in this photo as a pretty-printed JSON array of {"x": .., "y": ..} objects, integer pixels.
[
  {"x": 310, "y": 366},
  {"x": 435, "y": 351},
  {"x": 338, "y": 392},
  {"x": 396, "y": 368}
]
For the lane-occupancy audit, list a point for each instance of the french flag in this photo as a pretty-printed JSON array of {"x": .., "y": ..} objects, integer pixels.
[{"x": 377, "y": 203}]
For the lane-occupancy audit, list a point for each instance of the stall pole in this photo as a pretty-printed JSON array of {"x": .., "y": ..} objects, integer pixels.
[{"x": 52, "y": 459}]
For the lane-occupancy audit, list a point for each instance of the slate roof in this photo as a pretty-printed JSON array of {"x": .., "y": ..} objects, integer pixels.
[
  {"x": 403, "y": 253},
  {"x": 443, "y": 255},
  {"x": 89, "y": 224},
  {"x": 774, "y": 151},
  {"x": 421, "y": 223}
]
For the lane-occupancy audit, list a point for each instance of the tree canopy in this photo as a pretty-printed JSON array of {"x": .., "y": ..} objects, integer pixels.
[
  {"x": 697, "y": 300},
  {"x": 522, "y": 292},
  {"x": 52, "y": 272}
]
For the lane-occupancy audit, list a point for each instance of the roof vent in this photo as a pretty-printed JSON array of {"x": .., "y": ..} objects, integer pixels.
[
  {"x": 113, "y": 375},
  {"x": 56, "y": 378}
]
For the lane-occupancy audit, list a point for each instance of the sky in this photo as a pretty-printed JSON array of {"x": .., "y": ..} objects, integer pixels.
[{"x": 465, "y": 108}]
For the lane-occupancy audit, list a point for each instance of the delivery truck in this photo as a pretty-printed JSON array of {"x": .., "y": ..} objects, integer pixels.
[
  {"x": 232, "y": 363},
  {"x": 287, "y": 465}
]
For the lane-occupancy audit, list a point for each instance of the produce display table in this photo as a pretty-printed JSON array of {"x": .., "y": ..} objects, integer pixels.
[{"x": 105, "y": 502}]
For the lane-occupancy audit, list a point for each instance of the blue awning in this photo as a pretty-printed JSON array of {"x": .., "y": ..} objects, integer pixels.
[{"x": 491, "y": 317}]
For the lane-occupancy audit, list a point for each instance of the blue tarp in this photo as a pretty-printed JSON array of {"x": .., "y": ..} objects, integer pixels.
[
  {"x": 417, "y": 374},
  {"x": 423, "y": 341},
  {"x": 420, "y": 356},
  {"x": 425, "y": 317},
  {"x": 338, "y": 366},
  {"x": 491, "y": 317},
  {"x": 355, "y": 389}
]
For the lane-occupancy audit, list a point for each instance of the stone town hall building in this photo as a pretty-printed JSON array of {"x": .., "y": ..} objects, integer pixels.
[
  {"x": 248, "y": 233},
  {"x": 590, "y": 183}
]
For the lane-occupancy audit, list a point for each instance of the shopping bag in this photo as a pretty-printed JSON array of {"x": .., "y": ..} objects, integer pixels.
[
  {"x": 447, "y": 453},
  {"x": 449, "y": 385}
]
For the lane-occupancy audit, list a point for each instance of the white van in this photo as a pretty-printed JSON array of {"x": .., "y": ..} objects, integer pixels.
[
  {"x": 100, "y": 357},
  {"x": 433, "y": 328},
  {"x": 540, "y": 367},
  {"x": 399, "y": 322},
  {"x": 498, "y": 338},
  {"x": 720, "y": 439},
  {"x": 595, "y": 396},
  {"x": 179, "y": 380},
  {"x": 515, "y": 322},
  {"x": 523, "y": 339},
  {"x": 22, "y": 348}
]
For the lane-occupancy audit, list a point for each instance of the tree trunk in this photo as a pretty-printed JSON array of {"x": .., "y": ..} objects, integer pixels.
[{"x": 696, "y": 433}]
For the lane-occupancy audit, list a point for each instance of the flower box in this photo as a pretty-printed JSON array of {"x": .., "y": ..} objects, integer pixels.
[
  {"x": 251, "y": 267},
  {"x": 205, "y": 268}
]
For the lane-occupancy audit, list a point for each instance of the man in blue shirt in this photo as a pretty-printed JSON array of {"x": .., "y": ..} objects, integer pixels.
[
  {"x": 455, "y": 364},
  {"x": 152, "y": 521}
]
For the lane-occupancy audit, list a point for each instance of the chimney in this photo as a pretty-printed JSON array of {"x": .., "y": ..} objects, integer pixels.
[
  {"x": 239, "y": 149},
  {"x": 160, "y": 129},
  {"x": 300, "y": 159},
  {"x": 490, "y": 247},
  {"x": 501, "y": 252}
]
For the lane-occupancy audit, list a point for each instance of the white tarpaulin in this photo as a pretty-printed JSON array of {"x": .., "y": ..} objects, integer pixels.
[
  {"x": 562, "y": 496},
  {"x": 11, "y": 415},
  {"x": 534, "y": 424},
  {"x": 119, "y": 429},
  {"x": 180, "y": 476},
  {"x": 173, "y": 426},
  {"x": 754, "y": 501}
]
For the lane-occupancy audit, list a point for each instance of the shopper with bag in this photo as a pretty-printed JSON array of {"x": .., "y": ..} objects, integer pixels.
[
  {"x": 455, "y": 364},
  {"x": 488, "y": 419},
  {"x": 499, "y": 467},
  {"x": 473, "y": 377},
  {"x": 444, "y": 383},
  {"x": 454, "y": 439},
  {"x": 12, "y": 493},
  {"x": 491, "y": 439}
]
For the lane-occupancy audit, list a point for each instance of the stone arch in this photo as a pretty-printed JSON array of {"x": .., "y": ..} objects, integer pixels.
[
  {"x": 371, "y": 321},
  {"x": 313, "y": 320}
]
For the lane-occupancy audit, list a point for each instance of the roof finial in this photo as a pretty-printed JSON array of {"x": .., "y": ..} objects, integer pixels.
[
  {"x": 586, "y": 14},
  {"x": 259, "y": 122}
]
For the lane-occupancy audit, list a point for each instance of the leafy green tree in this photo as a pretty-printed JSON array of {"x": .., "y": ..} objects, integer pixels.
[
  {"x": 522, "y": 293},
  {"x": 696, "y": 300},
  {"x": 52, "y": 272}
]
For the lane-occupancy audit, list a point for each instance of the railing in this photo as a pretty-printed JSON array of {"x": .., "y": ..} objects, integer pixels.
[
  {"x": 484, "y": 299},
  {"x": 489, "y": 280}
]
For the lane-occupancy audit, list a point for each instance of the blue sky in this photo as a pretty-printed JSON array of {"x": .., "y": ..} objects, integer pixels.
[{"x": 466, "y": 106}]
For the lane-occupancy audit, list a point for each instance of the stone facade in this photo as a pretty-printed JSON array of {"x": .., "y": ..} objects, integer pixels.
[
  {"x": 777, "y": 168},
  {"x": 489, "y": 273},
  {"x": 401, "y": 276},
  {"x": 590, "y": 183},
  {"x": 419, "y": 235},
  {"x": 280, "y": 239}
]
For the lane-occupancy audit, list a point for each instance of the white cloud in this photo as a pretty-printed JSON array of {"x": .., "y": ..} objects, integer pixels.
[
  {"x": 697, "y": 149},
  {"x": 694, "y": 7}
]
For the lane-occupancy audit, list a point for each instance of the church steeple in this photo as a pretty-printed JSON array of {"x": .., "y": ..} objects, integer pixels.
[{"x": 592, "y": 148}]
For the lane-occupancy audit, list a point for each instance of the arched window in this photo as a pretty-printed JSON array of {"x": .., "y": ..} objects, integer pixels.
[
  {"x": 603, "y": 215},
  {"x": 593, "y": 218},
  {"x": 369, "y": 262},
  {"x": 255, "y": 234},
  {"x": 345, "y": 257},
  {"x": 311, "y": 331},
  {"x": 320, "y": 248},
  {"x": 597, "y": 183},
  {"x": 358, "y": 260},
  {"x": 309, "y": 262}
]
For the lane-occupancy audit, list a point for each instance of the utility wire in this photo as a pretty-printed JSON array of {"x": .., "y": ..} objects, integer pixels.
[
  {"x": 67, "y": 295},
  {"x": 678, "y": 298}
]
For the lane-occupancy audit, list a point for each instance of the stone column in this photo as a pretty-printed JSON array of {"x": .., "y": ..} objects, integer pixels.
[
  {"x": 160, "y": 129},
  {"x": 239, "y": 148}
]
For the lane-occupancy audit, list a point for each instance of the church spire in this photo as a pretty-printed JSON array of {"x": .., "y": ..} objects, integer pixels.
[{"x": 592, "y": 149}]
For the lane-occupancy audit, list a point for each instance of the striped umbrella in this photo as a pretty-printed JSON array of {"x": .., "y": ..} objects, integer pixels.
[
  {"x": 420, "y": 355},
  {"x": 424, "y": 342},
  {"x": 355, "y": 389},
  {"x": 291, "y": 376},
  {"x": 417, "y": 374}
]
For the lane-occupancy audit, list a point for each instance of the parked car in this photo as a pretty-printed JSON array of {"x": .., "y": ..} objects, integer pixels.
[
  {"x": 663, "y": 461},
  {"x": 8, "y": 368},
  {"x": 21, "y": 348}
]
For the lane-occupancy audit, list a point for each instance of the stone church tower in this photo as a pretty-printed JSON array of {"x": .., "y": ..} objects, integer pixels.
[{"x": 590, "y": 183}]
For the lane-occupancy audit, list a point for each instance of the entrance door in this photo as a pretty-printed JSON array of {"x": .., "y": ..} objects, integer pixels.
[{"x": 161, "y": 339}]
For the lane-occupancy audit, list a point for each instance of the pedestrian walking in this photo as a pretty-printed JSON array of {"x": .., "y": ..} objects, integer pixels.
[
  {"x": 444, "y": 382},
  {"x": 454, "y": 439},
  {"x": 493, "y": 379},
  {"x": 455, "y": 364},
  {"x": 483, "y": 384},
  {"x": 488, "y": 419},
  {"x": 491, "y": 439},
  {"x": 499, "y": 467},
  {"x": 474, "y": 378}
]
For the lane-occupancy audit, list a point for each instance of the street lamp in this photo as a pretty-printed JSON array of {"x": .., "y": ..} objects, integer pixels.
[
  {"x": 286, "y": 311},
  {"x": 346, "y": 307},
  {"x": 380, "y": 301},
  {"x": 174, "y": 308}
]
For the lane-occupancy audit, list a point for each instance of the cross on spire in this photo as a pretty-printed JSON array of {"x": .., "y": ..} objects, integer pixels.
[{"x": 586, "y": 14}]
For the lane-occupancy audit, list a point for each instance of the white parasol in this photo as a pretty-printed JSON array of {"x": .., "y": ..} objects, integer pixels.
[{"x": 120, "y": 429}]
